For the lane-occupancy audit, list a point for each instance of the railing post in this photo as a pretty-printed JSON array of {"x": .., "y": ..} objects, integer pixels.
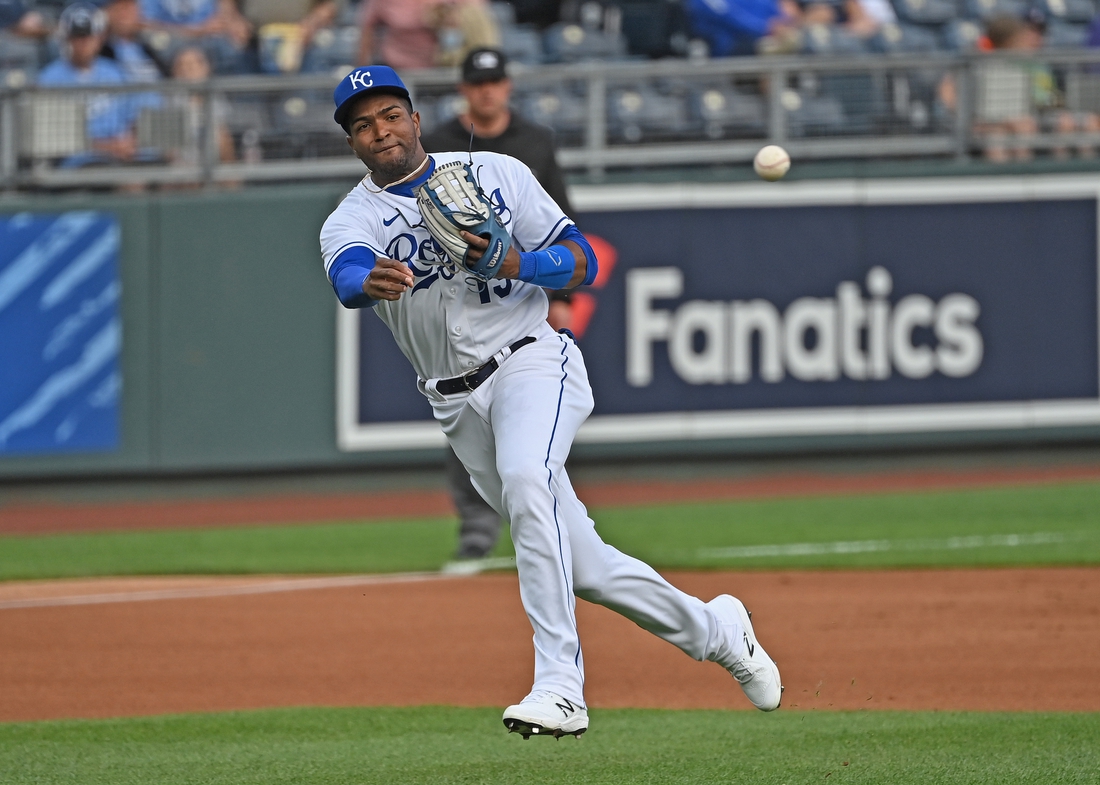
[
  {"x": 9, "y": 140},
  {"x": 964, "y": 108},
  {"x": 595, "y": 132},
  {"x": 777, "y": 113},
  {"x": 211, "y": 149}
]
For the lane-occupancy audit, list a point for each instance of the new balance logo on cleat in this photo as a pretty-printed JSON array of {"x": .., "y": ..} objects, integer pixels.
[
  {"x": 538, "y": 715},
  {"x": 748, "y": 645}
]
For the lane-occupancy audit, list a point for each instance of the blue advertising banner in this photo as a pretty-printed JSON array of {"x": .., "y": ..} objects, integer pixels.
[
  {"x": 60, "y": 333},
  {"x": 813, "y": 308}
]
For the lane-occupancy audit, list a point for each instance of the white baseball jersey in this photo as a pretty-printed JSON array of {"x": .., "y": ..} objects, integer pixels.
[{"x": 449, "y": 322}]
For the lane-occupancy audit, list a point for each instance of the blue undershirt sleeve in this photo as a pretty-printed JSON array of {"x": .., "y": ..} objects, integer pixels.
[
  {"x": 571, "y": 232},
  {"x": 347, "y": 273}
]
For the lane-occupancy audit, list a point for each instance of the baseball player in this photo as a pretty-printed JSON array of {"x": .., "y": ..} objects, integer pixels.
[{"x": 452, "y": 251}]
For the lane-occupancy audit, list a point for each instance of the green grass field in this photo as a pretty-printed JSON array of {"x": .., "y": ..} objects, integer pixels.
[
  {"x": 1054, "y": 524},
  {"x": 449, "y": 745}
]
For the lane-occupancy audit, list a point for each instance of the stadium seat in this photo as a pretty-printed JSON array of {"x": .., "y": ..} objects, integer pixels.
[
  {"x": 303, "y": 112},
  {"x": 862, "y": 96},
  {"x": 654, "y": 28},
  {"x": 962, "y": 35},
  {"x": 1065, "y": 35},
  {"x": 723, "y": 111},
  {"x": 809, "y": 115},
  {"x": 18, "y": 54},
  {"x": 504, "y": 14},
  {"x": 442, "y": 109},
  {"x": 333, "y": 48},
  {"x": 904, "y": 38},
  {"x": 987, "y": 9},
  {"x": 1081, "y": 11},
  {"x": 831, "y": 40},
  {"x": 639, "y": 111},
  {"x": 521, "y": 45},
  {"x": 557, "y": 108},
  {"x": 925, "y": 12},
  {"x": 568, "y": 43}
]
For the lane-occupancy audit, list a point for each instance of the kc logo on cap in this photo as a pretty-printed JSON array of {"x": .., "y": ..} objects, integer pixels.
[{"x": 362, "y": 80}]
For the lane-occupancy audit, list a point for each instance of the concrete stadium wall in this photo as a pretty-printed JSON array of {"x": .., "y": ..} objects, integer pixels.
[{"x": 229, "y": 346}]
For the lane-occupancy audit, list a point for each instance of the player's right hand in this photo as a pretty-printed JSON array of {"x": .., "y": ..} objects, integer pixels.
[{"x": 388, "y": 280}]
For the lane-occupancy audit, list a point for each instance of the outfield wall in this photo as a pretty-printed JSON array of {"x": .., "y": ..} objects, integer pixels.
[{"x": 843, "y": 314}]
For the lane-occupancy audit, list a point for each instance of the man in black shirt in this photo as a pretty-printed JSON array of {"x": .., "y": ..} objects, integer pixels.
[{"x": 497, "y": 129}]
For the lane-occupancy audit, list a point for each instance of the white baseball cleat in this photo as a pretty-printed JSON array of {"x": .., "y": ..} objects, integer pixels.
[
  {"x": 545, "y": 713},
  {"x": 754, "y": 670}
]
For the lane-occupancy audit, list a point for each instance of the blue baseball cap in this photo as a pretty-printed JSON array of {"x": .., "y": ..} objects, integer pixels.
[{"x": 368, "y": 79}]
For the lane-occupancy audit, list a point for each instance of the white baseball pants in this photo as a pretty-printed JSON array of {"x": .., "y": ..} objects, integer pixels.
[{"x": 513, "y": 434}]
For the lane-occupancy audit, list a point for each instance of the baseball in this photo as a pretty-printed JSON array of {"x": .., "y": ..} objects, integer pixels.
[{"x": 772, "y": 162}]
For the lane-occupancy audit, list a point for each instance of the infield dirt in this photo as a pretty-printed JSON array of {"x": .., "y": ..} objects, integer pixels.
[{"x": 1009, "y": 639}]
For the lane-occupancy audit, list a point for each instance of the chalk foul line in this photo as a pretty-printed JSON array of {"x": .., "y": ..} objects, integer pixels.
[
  {"x": 878, "y": 546},
  {"x": 260, "y": 587}
]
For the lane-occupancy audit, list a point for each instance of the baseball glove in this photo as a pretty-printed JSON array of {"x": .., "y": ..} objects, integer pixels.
[{"x": 451, "y": 202}]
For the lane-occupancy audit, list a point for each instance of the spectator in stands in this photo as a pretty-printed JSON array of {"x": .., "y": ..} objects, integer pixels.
[
  {"x": 22, "y": 32},
  {"x": 16, "y": 18},
  {"x": 139, "y": 61},
  {"x": 191, "y": 65},
  {"x": 424, "y": 33},
  {"x": 496, "y": 128},
  {"x": 735, "y": 27},
  {"x": 1017, "y": 98},
  {"x": 215, "y": 25},
  {"x": 538, "y": 13},
  {"x": 285, "y": 30},
  {"x": 861, "y": 18},
  {"x": 110, "y": 118}
]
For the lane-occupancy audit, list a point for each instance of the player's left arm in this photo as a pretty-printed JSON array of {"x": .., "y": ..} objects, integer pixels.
[
  {"x": 567, "y": 263},
  {"x": 561, "y": 257}
]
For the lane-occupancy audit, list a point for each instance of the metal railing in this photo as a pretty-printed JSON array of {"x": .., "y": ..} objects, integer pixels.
[{"x": 606, "y": 115}]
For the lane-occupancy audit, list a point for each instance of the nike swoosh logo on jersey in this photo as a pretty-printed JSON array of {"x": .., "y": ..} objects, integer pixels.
[{"x": 390, "y": 222}]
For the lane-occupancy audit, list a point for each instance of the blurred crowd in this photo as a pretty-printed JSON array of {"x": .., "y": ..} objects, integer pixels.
[
  {"x": 145, "y": 37},
  {"x": 110, "y": 42}
]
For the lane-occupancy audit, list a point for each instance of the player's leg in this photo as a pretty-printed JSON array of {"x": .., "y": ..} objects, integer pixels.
[
  {"x": 719, "y": 630},
  {"x": 530, "y": 404},
  {"x": 479, "y": 523}
]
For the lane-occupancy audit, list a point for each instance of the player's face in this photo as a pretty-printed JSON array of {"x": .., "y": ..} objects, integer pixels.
[
  {"x": 385, "y": 135},
  {"x": 487, "y": 100}
]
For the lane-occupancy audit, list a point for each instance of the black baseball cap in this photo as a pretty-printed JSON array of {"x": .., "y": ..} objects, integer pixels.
[
  {"x": 81, "y": 20},
  {"x": 484, "y": 65}
]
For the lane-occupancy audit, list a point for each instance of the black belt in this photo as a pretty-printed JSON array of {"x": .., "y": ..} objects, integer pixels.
[{"x": 468, "y": 382}]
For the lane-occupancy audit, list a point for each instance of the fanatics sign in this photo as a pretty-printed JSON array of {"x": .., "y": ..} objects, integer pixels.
[{"x": 813, "y": 308}]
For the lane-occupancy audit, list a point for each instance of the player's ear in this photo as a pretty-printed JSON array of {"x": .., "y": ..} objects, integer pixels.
[{"x": 416, "y": 122}]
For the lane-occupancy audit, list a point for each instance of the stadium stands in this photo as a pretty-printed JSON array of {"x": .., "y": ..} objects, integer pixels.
[{"x": 610, "y": 74}]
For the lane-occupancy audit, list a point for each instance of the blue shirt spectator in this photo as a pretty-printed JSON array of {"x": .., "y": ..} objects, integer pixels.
[
  {"x": 215, "y": 25},
  {"x": 186, "y": 13},
  {"x": 109, "y": 117},
  {"x": 137, "y": 59},
  {"x": 732, "y": 27}
]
